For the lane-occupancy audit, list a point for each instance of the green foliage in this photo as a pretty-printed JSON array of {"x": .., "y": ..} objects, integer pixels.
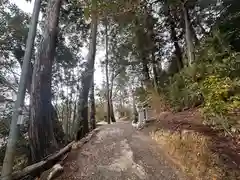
[
  {"x": 212, "y": 82},
  {"x": 221, "y": 100},
  {"x": 141, "y": 94},
  {"x": 216, "y": 92},
  {"x": 183, "y": 91},
  {"x": 228, "y": 23}
]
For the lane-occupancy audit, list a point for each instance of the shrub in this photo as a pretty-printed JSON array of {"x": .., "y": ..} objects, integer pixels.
[
  {"x": 214, "y": 83},
  {"x": 221, "y": 99},
  {"x": 183, "y": 91}
]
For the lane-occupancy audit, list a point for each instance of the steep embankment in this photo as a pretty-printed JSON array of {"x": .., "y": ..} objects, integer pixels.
[{"x": 200, "y": 151}]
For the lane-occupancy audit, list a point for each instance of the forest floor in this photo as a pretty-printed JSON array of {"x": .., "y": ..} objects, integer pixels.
[{"x": 120, "y": 152}]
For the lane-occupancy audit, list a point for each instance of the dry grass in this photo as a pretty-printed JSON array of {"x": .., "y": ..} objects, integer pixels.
[{"x": 190, "y": 151}]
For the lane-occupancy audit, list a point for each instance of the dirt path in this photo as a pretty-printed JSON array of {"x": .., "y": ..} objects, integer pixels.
[{"x": 119, "y": 152}]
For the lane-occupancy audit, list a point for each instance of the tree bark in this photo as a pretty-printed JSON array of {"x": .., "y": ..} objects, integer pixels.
[
  {"x": 188, "y": 34},
  {"x": 112, "y": 115},
  {"x": 178, "y": 52},
  {"x": 58, "y": 129},
  {"x": 74, "y": 119},
  {"x": 107, "y": 75},
  {"x": 142, "y": 48},
  {"x": 155, "y": 73},
  {"x": 93, "y": 108},
  {"x": 135, "y": 113},
  {"x": 150, "y": 48},
  {"x": 111, "y": 101},
  {"x": 145, "y": 71},
  {"x": 82, "y": 119},
  {"x": 42, "y": 140},
  {"x": 66, "y": 116},
  {"x": 13, "y": 135},
  {"x": 70, "y": 114}
]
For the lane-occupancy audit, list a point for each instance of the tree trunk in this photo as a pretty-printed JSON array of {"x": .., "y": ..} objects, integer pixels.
[
  {"x": 82, "y": 119},
  {"x": 70, "y": 114},
  {"x": 70, "y": 118},
  {"x": 107, "y": 75},
  {"x": 67, "y": 116},
  {"x": 58, "y": 129},
  {"x": 93, "y": 108},
  {"x": 155, "y": 73},
  {"x": 178, "y": 52},
  {"x": 141, "y": 38},
  {"x": 145, "y": 71},
  {"x": 74, "y": 119},
  {"x": 112, "y": 115},
  {"x": 135, "y": 113},
  {"x": 194, "y": 35},
  {"x": 13, "y": 135},
  {"x": 42, "y": 140},
  {"x": 111, "y": 101},
  {"x": 188, "y": 34}
]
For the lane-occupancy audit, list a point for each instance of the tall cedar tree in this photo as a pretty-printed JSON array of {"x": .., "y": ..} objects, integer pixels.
[
  {"x": 87, "y": 78},
  {"x": 42, "y": 140},
  {"x": 106, "y": 71},
  {"x": 92, "y": 105}
]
